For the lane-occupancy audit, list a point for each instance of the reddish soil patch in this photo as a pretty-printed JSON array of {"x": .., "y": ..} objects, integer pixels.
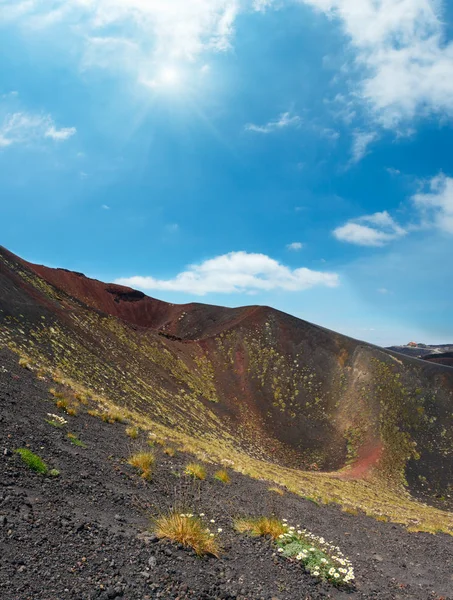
[{"x": 363, "y": 467}]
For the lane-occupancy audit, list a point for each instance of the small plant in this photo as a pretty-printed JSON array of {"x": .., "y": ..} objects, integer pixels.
[
  {"x": 196, "y": 471},
  {"x": 261, "y": 526},
  {"x": 222, "y": 475},
  {"x": 56, "y": 420},
  {"x": 75, "y": 440},
  {"x": 322, "y": 559},
  {"x": 188, "y": 530},
  {"x": 25, "y": 363},
  {"x": 33, "y": 461},
  {"x": 54, "y": 472},
  {"x": 144, "y": 462},
  {"x": 108, "y": 416},
  {"x": 169, "y": 451},
  {"x": 276, "y": 490},
  {"x": 132, "y": 432}
]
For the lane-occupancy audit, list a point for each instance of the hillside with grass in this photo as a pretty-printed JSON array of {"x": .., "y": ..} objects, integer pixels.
[{"x": 226, "y": 434}]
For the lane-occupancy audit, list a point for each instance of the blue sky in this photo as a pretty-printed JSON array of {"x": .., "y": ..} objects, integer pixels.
[{"x": 290, "y": 153}]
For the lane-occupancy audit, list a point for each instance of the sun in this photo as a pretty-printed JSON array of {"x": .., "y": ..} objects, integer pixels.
[{"x": 169, "y": 76}]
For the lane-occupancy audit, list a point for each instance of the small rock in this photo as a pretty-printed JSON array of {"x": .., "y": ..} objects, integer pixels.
[
  {"x": 152, "y": 562},
  {"x": 378, "y": 558}
]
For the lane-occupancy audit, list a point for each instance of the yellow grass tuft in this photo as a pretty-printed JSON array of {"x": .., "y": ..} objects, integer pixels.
[
  {"x": 169, "y": 451},
  {"x": 188, "y": 531},
  {"x": 222, "y": 475},
  {"x": 260, "y": 526},
  {"x": 144, "y": 462},
  {"x": 196, "y": 471},
  {"x": 276, "y": 490},
  {"x": 132, "y": 432}
]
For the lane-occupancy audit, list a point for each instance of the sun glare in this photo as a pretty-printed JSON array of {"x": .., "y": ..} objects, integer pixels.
[{"x": 169, "y": 76}]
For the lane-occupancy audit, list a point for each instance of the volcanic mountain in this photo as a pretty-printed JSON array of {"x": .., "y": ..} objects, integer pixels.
[{"x": 274, "y": 395}]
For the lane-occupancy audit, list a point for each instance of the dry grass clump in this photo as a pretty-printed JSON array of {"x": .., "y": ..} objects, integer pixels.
[
  {"x": 65, "y": 401},
  {"x": 260, "y": 526},
  {"x": 188, "y": 531},
  {"x": 276, "y": 490},
  {"x": 25, "y": 363},
  {"x": 350, "y": 510},
  {"x": 169, "y": 451},
  {"x": 108, "y": 416},
  {"x": 196, "y": 471},
  {"x": 144, "y": 462},
  {"x": 132, "y": 432},
  {"x": 222, "y": 475}
]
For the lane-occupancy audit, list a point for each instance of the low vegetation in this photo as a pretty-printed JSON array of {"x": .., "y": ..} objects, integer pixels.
[
  {"x": 260, "y": 526},
  {"x": 56, "y": 420},
  {"x": 196, "y": 471},
  {"x": 143, "y": 461},
  {"x": 33, "y": 461},
  {"x": 132, "y": 432},
  {"x": 223, "y": 476},
  {"x": 320, "y": 558},
  {"x": 169, "y": 451},
  {"x": 72, "y": 437},
  {"x": 188, "y": 530},
  {"x": 108, "y": 416},
  {"x": 276, "y": 490}
]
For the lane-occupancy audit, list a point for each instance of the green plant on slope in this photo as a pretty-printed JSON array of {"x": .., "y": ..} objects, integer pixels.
[
  {"x": 32, "y": 460},
  {"x": 322, "y": 559}
]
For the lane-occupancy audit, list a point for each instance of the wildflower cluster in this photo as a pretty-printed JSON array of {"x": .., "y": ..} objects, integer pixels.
[
  {"x": 56, "y": 420},
  {"x": 322, "y": 559}
]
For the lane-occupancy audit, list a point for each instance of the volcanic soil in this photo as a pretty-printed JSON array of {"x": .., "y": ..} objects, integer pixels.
[{"x": 87, "y": 533}]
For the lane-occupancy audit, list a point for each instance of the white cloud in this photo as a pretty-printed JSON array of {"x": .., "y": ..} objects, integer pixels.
[
  {"x": 400, "y": 44},
  {"x": 383, "y": 291},
  {"x": 173, "y": 29},
  {"x": 436, "y": 206},
  {"x": 393, "y": 172},
  {"x": 360, "y": 144},
  {"x": 283, "y": 121},
  {"x": 105, "y": 207},
  {"x": 25, "y": 128},
  {"x": 60, "y": 134},
  {"x": 295, "y": 246},
  {"x": 377, "y": 229},
  {"x": 236, "y": 272}
]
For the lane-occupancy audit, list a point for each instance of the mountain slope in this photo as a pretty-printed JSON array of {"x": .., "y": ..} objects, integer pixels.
[{"x": 251, "y": 381}]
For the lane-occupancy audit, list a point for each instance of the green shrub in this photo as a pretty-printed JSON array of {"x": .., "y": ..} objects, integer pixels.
[{"x": 33, "y": 461}]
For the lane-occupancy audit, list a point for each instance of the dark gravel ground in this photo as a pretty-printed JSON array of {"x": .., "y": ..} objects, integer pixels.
[{"x": 85, "y": 534}]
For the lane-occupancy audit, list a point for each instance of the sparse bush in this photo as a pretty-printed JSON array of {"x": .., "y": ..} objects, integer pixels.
[
  {"x": 261, "y": 526},
  {"x": 132, "y": 432},
  {"x": 222, "y": 475},
  {"x": 54, "y": 472},
  {"x": 75, "y": 440},
  {"x": 33, "y": 461},
  {"x": 188, "y": 530},
  {"x": 169, "y": 451},
  {"x": 144, "y": 462},
  {"x": 196, "y": 471},
  {"x": 276, "y": 490}
]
